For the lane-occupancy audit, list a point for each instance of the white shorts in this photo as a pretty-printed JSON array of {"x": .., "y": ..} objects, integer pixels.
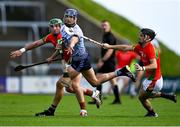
[{"x": 157, "y": 86}]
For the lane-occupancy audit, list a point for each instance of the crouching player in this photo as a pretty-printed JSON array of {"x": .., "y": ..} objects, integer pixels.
[
  {"x": 151, "y": 64},
  {"x": 54, "y": 38}
]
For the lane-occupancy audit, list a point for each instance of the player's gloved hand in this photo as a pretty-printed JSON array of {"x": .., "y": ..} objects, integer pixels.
[
  {"x": 106, "y": 46},
  {"x": 139, "y": 68},
  {"x": 15, "y": 54}
]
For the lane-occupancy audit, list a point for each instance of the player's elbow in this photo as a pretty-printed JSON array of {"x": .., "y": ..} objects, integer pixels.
[
  {"x": 154, "y": 66},
  {"x": 126, "y": 48}
]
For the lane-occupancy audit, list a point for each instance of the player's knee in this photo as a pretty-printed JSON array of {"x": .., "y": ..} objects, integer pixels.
[
  {"x": 69, "y": 89},
  {"x": 95, "y": 83},
  {"x": 59, "y": 84},
  {"x": 141, "y": 98},
  {"x": 75, "y": 87},
  {"x": 64, "y": 82}
]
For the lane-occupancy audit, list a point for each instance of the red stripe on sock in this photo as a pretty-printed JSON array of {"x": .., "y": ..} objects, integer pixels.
[{"x": 88, "y": 92}]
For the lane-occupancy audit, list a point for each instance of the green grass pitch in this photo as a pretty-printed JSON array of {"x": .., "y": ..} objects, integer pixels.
[{"x": 17, "y": 110}]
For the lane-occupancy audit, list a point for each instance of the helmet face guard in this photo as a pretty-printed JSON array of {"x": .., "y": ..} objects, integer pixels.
[
  {"x": 55, "y": 21},
  {"x": 71, "y": 12}
]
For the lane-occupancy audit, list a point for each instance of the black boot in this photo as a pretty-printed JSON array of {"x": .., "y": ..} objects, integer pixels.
[
  {"x": 100, "y": 90},
  {"x": 125, "y": 71},
  {"x": 116, "y": 95},
  {"x": 171, "y": 97},
  {"x": 49, "y": 112}
]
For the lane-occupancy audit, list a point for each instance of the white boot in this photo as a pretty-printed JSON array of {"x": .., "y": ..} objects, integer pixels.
[
  {"x": 83, "y": 113},
  {"x": 96, "y": 96}
]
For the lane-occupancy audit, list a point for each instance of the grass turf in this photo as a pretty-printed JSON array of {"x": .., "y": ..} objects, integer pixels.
[{"x": 17, "y": 110}]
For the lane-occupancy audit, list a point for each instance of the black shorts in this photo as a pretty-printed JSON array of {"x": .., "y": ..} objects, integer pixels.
[
  {"x": 81, "y": 64},
  {"x": 107, "y": 67}
]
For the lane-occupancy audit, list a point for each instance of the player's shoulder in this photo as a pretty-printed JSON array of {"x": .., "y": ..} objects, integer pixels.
[
  {"x": 47, "y": 37},
  {"x": 77, "y": 28},
  {"x": 111, "y": 34},
  {"x": 50, "y": 36},
  {"x": 59, "y": 36},
  {"x": 137, "y": 45},
  {"x": 149, "y": 45}
]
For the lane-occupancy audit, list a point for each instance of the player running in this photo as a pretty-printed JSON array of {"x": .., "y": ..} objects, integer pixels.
[
  {"x": 55, "y": 38},
  {"x": 80, "y": 63},
  {"x": 150, "y": 58}
]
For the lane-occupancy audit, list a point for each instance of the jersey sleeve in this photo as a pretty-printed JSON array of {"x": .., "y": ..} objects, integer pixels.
[
  {"x": 78, "y": 32},
  {"x": 133, "y": 55},
  {"x": 46, "y": 39},
  {"x": 136, "y": 48},
  {"x": 59, "y": 45}
]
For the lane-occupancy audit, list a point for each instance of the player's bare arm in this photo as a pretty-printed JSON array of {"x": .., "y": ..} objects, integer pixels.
[
  {"x": 18, "y": 53},
  {"x": 151, "y": 66},
  {"x": 73, "y": 42},
  {"x": 108, "y": 54},
  {"x": 34, "y": 45},
  {"x": 53, "y": 56},
  {"x": 118, "y": 47},
  {"x": 105, "y": 57}
]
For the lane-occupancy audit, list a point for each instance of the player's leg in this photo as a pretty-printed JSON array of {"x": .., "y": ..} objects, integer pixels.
[
  {"x": 148, "y": 89},
  {"x": 99, "y": 88},
  {"x": 157, "y": 94},
  {"x": 66, "y": 81},
  {"x": 115, "y": 89},
  {"x": 87, "y": 92},
  {"x": 171, "y": 97},
  {"x": 143, "y": 97},
  {"x": 75, "y": 77},
  {"x": 79, "y": 93},
  {"x": 58, "y": 95},
  {"x": 95, "y": 81}
]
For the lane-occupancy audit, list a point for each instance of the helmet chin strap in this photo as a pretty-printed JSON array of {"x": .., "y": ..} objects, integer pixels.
[{"x": 70, "y": 25}]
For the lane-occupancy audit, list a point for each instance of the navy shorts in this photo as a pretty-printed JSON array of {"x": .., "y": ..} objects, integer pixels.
[{"x": 81, "y": 64}]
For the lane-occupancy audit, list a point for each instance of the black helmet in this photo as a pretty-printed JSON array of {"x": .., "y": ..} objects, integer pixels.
[{"x": 149, "y": 32}]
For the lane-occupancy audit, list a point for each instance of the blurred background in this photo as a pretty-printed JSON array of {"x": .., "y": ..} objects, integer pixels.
[{"x": 24, "y": 21}]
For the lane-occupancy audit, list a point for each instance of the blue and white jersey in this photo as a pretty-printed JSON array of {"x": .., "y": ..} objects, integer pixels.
[{"x": 79, "y": 49}]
